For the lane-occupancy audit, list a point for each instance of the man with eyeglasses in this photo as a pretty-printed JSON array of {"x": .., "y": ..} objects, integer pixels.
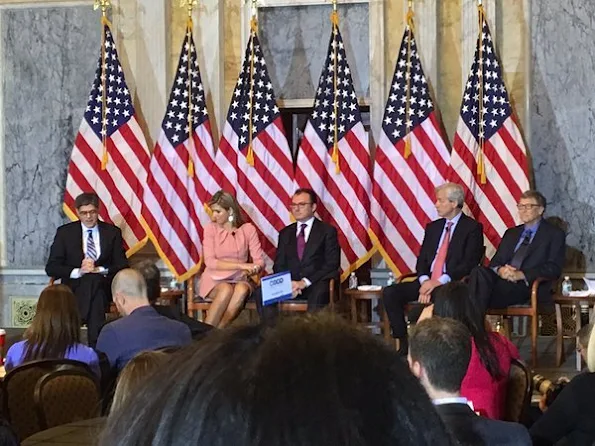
[
  {"x": 536, "y": 248},
  {"x": 309, "y": 249},
  {"x": 85, "y": 255}
]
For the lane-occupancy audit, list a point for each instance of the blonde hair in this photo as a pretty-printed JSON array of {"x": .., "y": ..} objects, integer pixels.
[
  {"x": 133, "y": 374},
  {"x": 591, "y": 352},
  {"x": 230, "y": 204}
]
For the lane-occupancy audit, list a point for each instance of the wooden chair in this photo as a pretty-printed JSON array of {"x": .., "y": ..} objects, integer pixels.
[
  {"x": 65, "y": 396},
  {"x": 18, "y": 392},
  {"x": 530, "y": 310},
  {"x": 519, "y": 391}
]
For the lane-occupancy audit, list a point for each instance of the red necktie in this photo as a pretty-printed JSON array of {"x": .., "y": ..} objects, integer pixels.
[
  {"x": 441, "y": 255},
  {"x": 301, "y": 241}
]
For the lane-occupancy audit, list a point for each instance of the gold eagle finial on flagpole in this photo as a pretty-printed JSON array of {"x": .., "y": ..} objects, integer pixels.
[{"x": 103, "y": 4}]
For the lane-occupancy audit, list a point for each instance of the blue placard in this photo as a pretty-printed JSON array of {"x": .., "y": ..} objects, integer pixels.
[{"x": 276, "y": 287}]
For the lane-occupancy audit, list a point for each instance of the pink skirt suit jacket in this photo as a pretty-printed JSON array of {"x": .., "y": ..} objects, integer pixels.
[{"x": 238, "y": 246}]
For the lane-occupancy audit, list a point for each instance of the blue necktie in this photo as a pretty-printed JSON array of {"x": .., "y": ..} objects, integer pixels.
[{"x": 91, "y": 251}]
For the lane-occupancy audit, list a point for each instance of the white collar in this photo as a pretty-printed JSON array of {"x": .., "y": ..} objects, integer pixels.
[
  {"x": 308, "y": 223},
  {"x": 452, "y": 400},
  {"x": 94, "y": 228}
]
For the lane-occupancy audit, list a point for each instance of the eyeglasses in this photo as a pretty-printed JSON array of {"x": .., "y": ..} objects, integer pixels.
[
  {"x": 526, "y": 207},
  {"x": 298, "y": 205},
  {"x": 88, "y": 213}
]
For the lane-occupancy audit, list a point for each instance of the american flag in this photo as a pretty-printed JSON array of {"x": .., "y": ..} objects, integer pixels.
[
  {"x": 489, "y": 157},
  {"x": 110, "y": 155},
  {"x": 179, "y": 182},
  {"x": 253, "y": 154},
  {"x": 334, "y": 159},
  {"x": 411, "y": 160}
]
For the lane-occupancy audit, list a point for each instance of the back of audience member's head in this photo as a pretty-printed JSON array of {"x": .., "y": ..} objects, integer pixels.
[
  {"x": 312, "y": 381},
  {"x": 439, "y": 353},
  {"x": 583, "y": 336},
  {"x": 152, "y": 276},
  {"x": 453, "y": 301},
  {"x": 134, "y": 374},
  {"x": 129, "y": 291},
  {"x": 56, "y": 325}
]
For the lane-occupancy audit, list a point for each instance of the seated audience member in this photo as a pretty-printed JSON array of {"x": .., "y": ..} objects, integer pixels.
[
  {"x": 134, "y": 374},
  {"x": 486, "y": 379},
  {"x": 54, "y": 333},
  {"x": 309, "y": 250},
  {"x": 310, "y": 381},
  {"x": 452, "y": 247},
  {"x": 228, "y": 244},
  {"x": 141, "y": 327},
  {"x": 569, "y": 420},
  {"x": 152, "y": 276},
  {"x": 7, "y": 435},
  {"x": 439, "y": 354},
  {"x": 533, "y": 249}
]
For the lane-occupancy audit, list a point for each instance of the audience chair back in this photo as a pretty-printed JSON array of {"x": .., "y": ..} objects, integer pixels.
[
  {"x": 518, "y": 392},
  {"x": 19, "y": 387},
  {"x": 66, "y": 396}
]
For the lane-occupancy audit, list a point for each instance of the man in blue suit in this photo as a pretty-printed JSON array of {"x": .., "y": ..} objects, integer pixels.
[{"x": 141, "y": 328}]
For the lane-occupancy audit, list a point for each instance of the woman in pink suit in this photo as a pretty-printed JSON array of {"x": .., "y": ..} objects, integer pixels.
[{"x": 231, "y": 253}]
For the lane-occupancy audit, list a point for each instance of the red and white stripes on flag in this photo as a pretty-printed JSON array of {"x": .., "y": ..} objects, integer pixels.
[
  {"x": 254, "y": 156},
  {"x": 110, "y": 155},
  {"x": 179, "y": 182},
  {"x": 334, "y": 159},
  {"x": 412, "y": 159},
  {"x": 489, "y": 157}
]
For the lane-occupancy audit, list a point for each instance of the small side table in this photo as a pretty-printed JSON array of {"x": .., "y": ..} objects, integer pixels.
[
  {"x": 355, "y": 295},
  {"x": 576, "y": 302}
]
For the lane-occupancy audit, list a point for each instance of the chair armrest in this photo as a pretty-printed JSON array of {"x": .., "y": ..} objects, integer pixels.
[
  {"x": 535, "y": 288},
  {"x": 406, "y": 276}
]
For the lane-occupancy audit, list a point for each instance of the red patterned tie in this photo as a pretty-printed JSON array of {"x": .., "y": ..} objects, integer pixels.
[
  {"x": 301, "y": 241},
  {"x": 441, "y": 255}
]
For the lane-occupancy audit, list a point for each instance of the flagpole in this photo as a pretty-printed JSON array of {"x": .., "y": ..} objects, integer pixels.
[
  {"x": 407, "y": 137},
  {"x": 253, "y": 30},
  {"x": 189, "y": 5},
  {"x": 335, "y": 154},
  {"x": 103, "y": 4},
  {"x": 480, "y": 79}
]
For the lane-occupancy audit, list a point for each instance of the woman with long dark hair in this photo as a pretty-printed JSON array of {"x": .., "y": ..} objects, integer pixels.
[
  {"x": 54, "y": 332},
  {"x": 487, "y": 375}
]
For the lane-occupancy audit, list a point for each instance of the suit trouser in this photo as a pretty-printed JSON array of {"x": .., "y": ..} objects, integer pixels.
[
  {"x": 395, "y": 298},
  {"x": 316, "y": 294},
  {"x": 92, "y": 302},
  {"x": 491, "y": 291}
]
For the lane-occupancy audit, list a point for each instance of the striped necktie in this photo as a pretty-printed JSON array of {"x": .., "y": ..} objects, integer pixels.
[{"x": 91, "y": 250}]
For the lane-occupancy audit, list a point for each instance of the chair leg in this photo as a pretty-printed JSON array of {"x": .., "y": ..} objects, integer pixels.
[
  {"x": 559, "y": 336},
  {"x": 534, "y": 324},
  {"x": 385, "y": 324},
  {"x": 578, "y": 325}
]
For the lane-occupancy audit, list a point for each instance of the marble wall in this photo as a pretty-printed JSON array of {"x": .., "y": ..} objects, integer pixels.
[
  {"x": 295, "y": 40},
  {"x": 563, "y": 119},
  {"x": 48, "y": 64}
]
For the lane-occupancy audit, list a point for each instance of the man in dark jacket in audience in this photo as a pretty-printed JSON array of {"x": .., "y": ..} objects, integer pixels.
[
  {"x": 152, "y": 276},
  {"x": 439, "y": 354}
]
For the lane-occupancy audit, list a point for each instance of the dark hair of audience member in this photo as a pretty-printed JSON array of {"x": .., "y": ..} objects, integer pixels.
[
  {"x": 152, "y": 275},
  {"x": 56, "y": 325},
  {"x": 135, "y": 373},
  {"x": 443, "y": 347},
  {"x": 452, "y": 300},
  {"x": 310, "y": 381}
]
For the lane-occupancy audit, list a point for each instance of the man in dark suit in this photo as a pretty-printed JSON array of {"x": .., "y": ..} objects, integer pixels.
[
  {"x": 86, "y": 255},
  {"x": 452, "y": 246},
  {"x": 439, "y": 354},
  {"x": 533, "y": 249},
  {"x": 141, "y": 328},
  {"x": 309, "y": 250}
]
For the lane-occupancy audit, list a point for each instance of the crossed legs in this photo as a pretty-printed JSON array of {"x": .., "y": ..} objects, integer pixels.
[{"x": 227, "y": 302}]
